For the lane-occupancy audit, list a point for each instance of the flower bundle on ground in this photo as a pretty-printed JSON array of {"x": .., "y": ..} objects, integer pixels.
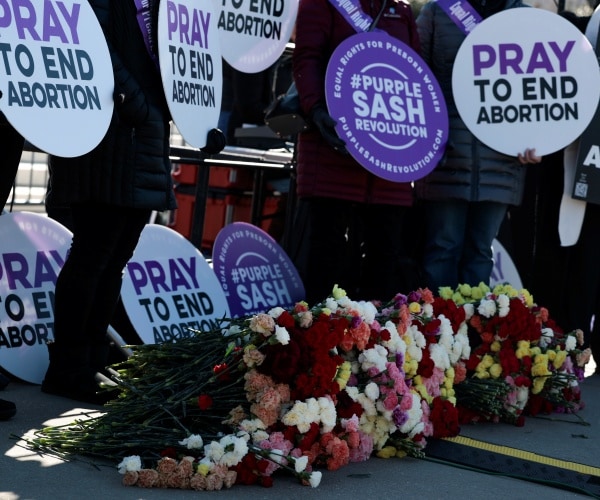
[{"x": 319, "y": 387}]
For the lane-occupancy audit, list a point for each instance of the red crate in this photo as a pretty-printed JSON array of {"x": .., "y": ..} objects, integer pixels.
[
  {"x": 240, "y": 179},
  {"x": 220, "y": 211}
]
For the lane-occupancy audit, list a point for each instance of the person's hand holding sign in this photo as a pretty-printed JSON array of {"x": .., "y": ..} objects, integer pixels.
[
  {"x": 528, "y": 157},
  {"x": 326, "y": 126}
]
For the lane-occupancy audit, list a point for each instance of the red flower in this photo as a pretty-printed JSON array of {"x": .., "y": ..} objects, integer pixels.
[
  {"x": 222, "y": 373},
  {"x": 444, "y": 417},
  {"x": 205, "y": 402}
]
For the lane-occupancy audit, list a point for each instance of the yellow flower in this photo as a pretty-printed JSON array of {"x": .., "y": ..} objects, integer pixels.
[
  {"x": 487, "y": 361},
  {"x": 477, "y": 293},
  {"x": 496, "y": 370},
  {"x": 446, "y": 292},
  {"x": 449, "y": 382},
  {"x": 560, "y": 358},
  {"x": 411, "y": 367},
  {"x": 538, "y": 385},
  {"x": 203, "y": 469},
  {"x": 534, "y": 351},
  {"x": 401, "y": 454},
  {"x": 338, "y": 292},
  {"x": 387, "y": 452},
  {"x": 458, "y": 299},
  {"x": 326, "y": 311},
  {"x": 464, "y": 290},
  {"x": 551, "y": 355},
  {"x": 343, "y": 374},
  {"x": 483, "y": 287},
  {"x": 527, "y": 297},
  {"x": 414, "y": 307},
  {"x": 496, "y": 346},
  {"x": 450, "y": 373}
]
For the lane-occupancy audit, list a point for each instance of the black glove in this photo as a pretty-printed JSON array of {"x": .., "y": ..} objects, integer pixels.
[
  {"x": 325, "y": 124},
  {"x": 215, "y": 142},
  {"x": 132, "y": 109}
]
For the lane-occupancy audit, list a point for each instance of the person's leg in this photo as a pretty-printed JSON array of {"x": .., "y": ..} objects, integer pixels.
[
  {"x": 91, "y": 264},
  {"x": 445, "y": 223},
  {"x": 109, "y": 284},
  {"x": 582, "y": 289},
  {"x": 483, "y": 223},
  {"x": 319, "y": 246},
  {"x": 387, "y": 269}
]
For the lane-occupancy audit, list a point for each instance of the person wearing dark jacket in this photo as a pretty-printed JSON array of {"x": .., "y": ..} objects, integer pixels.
[
  {"x": 111, "y": 192},
  {"x": 465, "y": 198},
  {"x": 11, "y": 145},
  {"x": 348, "y": 226}
]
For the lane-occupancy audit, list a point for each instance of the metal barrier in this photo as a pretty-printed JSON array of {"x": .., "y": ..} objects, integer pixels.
[{"x": 31, "y": 181}]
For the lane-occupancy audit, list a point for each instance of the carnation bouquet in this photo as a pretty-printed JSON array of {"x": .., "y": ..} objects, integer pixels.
[{"x": 306, "y": 388}]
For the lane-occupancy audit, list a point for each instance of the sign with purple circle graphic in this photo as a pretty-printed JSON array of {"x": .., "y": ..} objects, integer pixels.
[
  {"x": 254, "y": 271},
  {"x": 389, "y": 106}
]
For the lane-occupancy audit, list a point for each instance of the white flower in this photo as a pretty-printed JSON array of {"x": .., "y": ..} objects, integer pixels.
[
  {"x": 428, "y": 310},
  {"x": 235, "y": 449},
  {"x": 331, "y": 304},
  {"x": 315, "y": 478},
  {"x": 277, "y": 456},
  {"x": 395, "y": 344},
  {"x": 130, "y": 464},
  {"x": 439, "y": 356},
  {"x": 469, "y": 310},
  {"x": 570, "y": 343},
  {"x": 192, "y": 442},
  {"x": 372, "y": 391},
  {"x": 259, "y": 436},
  {"x": 276, "y": 312},
  {"x": 328, "y": 415},
  {"x": 214, "y": 451},
  {"x": 504, "y": 305},
  {"x": 300, "y": 463},
  {"x": 546, "y": 337},
  {"x": 367, "y": 311},
  {"x": 376, "y": 356},
  {"x": 282, "y": 335},
  {"x": 487, "y": 308}
]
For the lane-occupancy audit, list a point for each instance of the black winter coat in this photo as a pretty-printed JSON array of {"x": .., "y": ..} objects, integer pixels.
[
  {"x": 471, "y": 170},
  {"x": 130, "y": 167}
]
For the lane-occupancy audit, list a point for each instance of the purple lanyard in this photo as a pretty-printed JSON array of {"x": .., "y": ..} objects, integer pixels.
[
  {"x": 462, "y": 13},
  {"x": 353, "y": 14},
  {"x": 145, "y": 23}
]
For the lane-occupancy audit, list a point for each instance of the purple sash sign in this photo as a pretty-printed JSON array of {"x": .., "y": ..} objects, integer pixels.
[
  {"x": 389, "y": 106},
  {"x": 462, "y": 13},
  {"x": 254, "y": 271}
]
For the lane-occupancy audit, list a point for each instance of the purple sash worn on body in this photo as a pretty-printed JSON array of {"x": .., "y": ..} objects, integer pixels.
[{"x": 462, "y": 13}]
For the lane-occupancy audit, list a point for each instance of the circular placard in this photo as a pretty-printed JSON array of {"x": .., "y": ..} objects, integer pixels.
[
  {"x": 169, "y": 288},
  {"x": 56, "y": 77},
  {"x": 254, "y": 271},
  {"x": 389, "y": 107},
  {"x": 33, "y": 251},
  {"x": 254, "y": 33},
  {"x": 516, "y": 87},
  {"x": 191, "y": 66}
]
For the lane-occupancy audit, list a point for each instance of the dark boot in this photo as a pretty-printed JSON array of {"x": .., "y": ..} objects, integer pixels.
[
  {"x": 7, "y": 409},
  {"x": 70, "y": 375}
]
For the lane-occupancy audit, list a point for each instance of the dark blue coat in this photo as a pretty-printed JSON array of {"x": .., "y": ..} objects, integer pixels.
[
  {"x": 130, "y": 167},
  {"x": 471, "y": 171}
]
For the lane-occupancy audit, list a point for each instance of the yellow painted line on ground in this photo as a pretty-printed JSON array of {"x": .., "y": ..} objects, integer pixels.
[{"x": 526, "y": 455}]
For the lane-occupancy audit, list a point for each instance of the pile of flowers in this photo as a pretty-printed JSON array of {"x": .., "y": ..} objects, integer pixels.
[{"x": 308, "y": 388}]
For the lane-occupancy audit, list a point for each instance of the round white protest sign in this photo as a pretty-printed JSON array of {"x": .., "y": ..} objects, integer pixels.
[
  {"x": 169, "y": 288},
  {"x": 254, "y": 33},
  {"x": 254, "y": 271},
  {"x": 33, "y": 251},
  {"x": 526, "y": 78},
  {"x": 191, "y": 67},
  {"x": 56, "y": 77},
  {"x": 504, "y": 270}
]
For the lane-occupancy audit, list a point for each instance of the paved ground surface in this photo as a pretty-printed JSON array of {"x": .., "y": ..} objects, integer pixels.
[{"x": 26, "y": 475}]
